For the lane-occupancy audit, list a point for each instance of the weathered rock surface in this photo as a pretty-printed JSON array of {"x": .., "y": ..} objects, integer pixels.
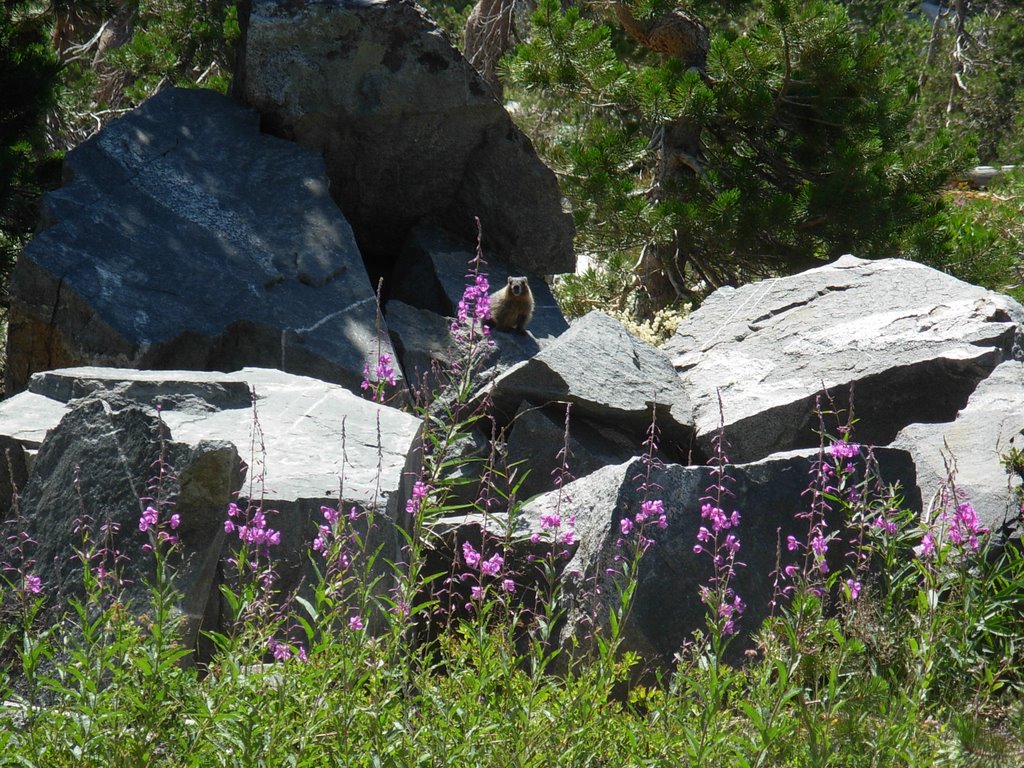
[
  {"x": 185, "y": 238},
  {"x": 913, "y": 343},
  {"x": 538, "y": 435},
  {"x": 408, "y": 129},
  {"x": 989, "y": 425},
  {"x": 667, "y": 608},
  {"x": 610, "y": 377},
  {"x": 302, "y": 442}
]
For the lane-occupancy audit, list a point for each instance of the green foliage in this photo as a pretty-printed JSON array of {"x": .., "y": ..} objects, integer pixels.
[
  {"x": 986, "y": 232},
  {"x": 28, "y": 82},
  {"x": 804, "y": 152}
]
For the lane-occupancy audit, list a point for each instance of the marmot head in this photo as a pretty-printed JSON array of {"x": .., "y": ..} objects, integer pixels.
[{"x": 518, "y": 286}]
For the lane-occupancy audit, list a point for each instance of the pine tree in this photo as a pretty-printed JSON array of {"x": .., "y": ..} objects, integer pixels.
[
  {"x": 28, "y": 82},
  {"x": 781, "y": 143}
]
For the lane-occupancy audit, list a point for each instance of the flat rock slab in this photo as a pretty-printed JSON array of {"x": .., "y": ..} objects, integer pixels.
[
  {"x": 185, "y": 238},
  {"x": 912, "y": 342},
  {"x": 311, "y": 434},
  {"x": 972, "y": 446},
  {"x": 408, "y": 129},
  {"x": 610, "y": 376}
]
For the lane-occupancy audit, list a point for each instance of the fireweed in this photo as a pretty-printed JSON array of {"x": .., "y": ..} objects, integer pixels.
[{"x": 718, "y": 538}]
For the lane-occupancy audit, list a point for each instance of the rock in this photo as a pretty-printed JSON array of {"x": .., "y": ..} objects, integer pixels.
[
  {"x": 667, "y": 607},
  {"x": 610, "y": 377},
  {"x": 989, "y": 425},
  {"x": 537, "y": 436},
  {"x": 408, "y": 129},
  {"x": 95, "y": 468},
  {"x": 910, "y": 341},
  {"x": 304, "y": 444},
  {"x": 185, "y": 238}
]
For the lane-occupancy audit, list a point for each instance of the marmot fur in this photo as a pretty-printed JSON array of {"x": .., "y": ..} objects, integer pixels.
[{"x": 512, "y": 306}]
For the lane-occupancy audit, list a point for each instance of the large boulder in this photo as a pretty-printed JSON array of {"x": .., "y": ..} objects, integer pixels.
[
  {"x": 965, "y": 456},
  {"x": 185, "y": 238},
  {"x": 769, "y": 494},
  {"x": 910, "y": 342},
  {"x": 298, "y": 443},
  {"x": 611, "y": 377},
  {"x": 408, "y": 129}
]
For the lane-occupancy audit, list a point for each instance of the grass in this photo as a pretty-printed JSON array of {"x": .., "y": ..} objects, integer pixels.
[{"x": 906, "y": 653}]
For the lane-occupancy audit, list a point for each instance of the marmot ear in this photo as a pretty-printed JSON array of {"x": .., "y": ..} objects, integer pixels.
[{"x": 510, "y": 279}]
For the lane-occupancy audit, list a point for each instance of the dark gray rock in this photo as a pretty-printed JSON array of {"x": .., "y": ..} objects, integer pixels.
[
  {"x": 611, "y": 377},
  {"x": 423, "y": 342},
  {"x": 667, "y": 608},
  {"x": 537, "y": 436},
  {"x": 972, "y": 445},
  {"x": 912, "y": 342},
  {"x": 98, "y": 463},
  {"x": 185, "y": 238},
  {"x": 408, "y": 129}
]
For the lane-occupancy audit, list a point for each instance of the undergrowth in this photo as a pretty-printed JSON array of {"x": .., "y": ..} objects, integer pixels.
[{"x": 892, "y": 640}]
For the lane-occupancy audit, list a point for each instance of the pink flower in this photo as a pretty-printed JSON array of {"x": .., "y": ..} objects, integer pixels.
[
  {"x": 626, "y": 526},
  {"x": 854, "y": 587},
  {"x": 330, "y": 515},
  {"x": 477, "y": 593},
  {"x": 355, "y": 623},
  {"x": 33, "y": 584},
  {"x": 492, "y": 566},
  {"x": 569, "y": 537},
  {"x": 508, "y": 585},
  {"x": 792, "y": 544},
  {"x": 148, "y": 519},
  {"x": 843, "y": 450},
  {"x": 470, "y": 555},
  {"x": 419, "y": 493},
  {"x": 550, "y": 520},
  {"x": 927, "y": 546},
  {"x": 174, "y": 522}
]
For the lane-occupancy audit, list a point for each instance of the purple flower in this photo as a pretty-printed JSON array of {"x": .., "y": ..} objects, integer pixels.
[
  {"x": 477, "y": 593},
  {"x": 492, "y": 566},
  {"x": 569, "y": 537},
  {"x": 843, "y": 450},
  {"x": 792, "y": 544},
  {"x": 790, "y": 570},
  {"x": 175, "y": 521},
  {"x": 330, "y": 515},
  {"x": 508, "y": 585},
  {"x": 854, "y": 587},
  {"x": 281, "y": 651},
  {"x": 33, "y": 584},
  {"x": 355, "y": 623},
  {"x": 551, "y": 520},
  {"x": 626, "y": 526},
  {"x": 148, "y": 519},
  {"x": 470, "y": 555},
  {"x": 419, "y": 493}
]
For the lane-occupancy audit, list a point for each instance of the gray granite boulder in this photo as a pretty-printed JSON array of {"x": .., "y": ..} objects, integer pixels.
[
  {"x": 296, "y": 442},
  {"x": 667, "y": 609},
  {"x": 611, "y": 377},
  {"x": 185, "y": 238},
  {"x": 408, "y": 129},
  {"x": 911, "y": 342},
  {"x": 969, "y": 450}
]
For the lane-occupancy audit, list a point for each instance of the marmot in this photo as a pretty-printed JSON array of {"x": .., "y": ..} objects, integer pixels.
[{"x": 512, "y": 306}]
